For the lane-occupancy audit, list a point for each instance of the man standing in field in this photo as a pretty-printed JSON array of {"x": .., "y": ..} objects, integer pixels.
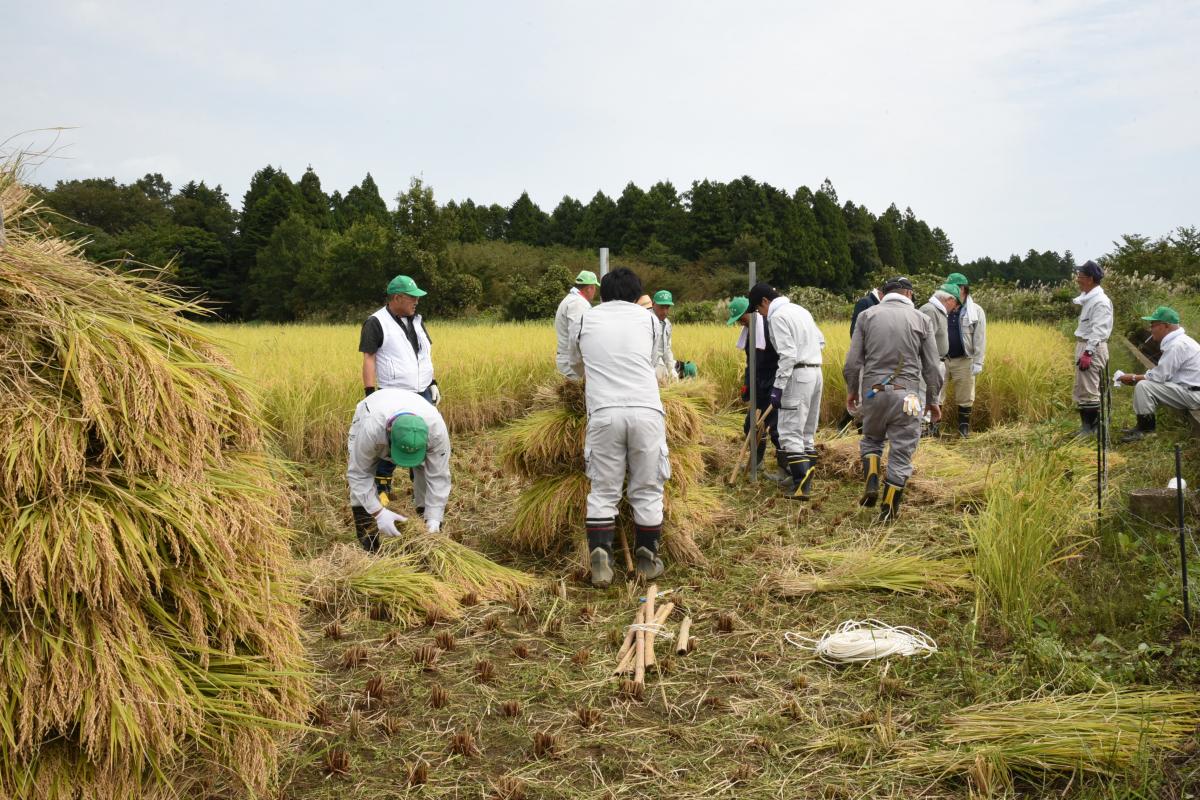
[
  {"x": 766, "y": 361},
  {"x": 1091, "y": 345},
  {"x": 403, "y": 429},
  {"x": 892, "y": 349},
  {"x": 566, "y": 319},
  {"x": 626, "y": 430},
  {"x": 396, "y": 353},
  {"x": 1174, "y": 382},
  {"x": 967, "y": 335},
  {"x": 940, "y": 304},
  {"x": 664, "y": 357},
  {"x": 798, "y": 384}
]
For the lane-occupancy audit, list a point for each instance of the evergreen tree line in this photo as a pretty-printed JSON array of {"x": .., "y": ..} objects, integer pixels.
[{"x": 292, "y": 251}]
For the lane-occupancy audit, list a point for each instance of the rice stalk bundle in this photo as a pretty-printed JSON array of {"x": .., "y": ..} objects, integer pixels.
[
  {"x": 346, "y": 578},
  {"x": 871, "y": 568},
  {"x": 942, "y": 476},
  {"x": 1102, "y": 733},
  {"x": 465, "y": 569},
  {"x": 149, "y": 641}
]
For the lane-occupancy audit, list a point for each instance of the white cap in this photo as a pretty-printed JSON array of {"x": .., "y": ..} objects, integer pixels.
[{"x": 1172, "y": 485}]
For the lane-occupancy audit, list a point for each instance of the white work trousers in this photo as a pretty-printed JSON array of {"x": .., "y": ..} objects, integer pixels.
[
  {"x": 622, "y": 440},
  {"x": 800, "y": 410},
  {"x": 1149, "y": 395}
]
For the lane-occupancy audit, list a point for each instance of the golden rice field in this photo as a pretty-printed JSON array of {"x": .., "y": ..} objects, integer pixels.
[{"x": 310, "y": 375}]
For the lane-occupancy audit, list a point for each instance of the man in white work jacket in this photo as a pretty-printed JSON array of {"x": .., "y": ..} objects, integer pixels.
[
  {"x": 664, "y": 357},
  {"x": 566, "y": 320},
  {"x": 396, "y": 352},
  {"x": 626, "y": 430},
  {"x": 403, "y": 429},
  {"x": 1174, "y": 382},
  {"x": 798, "y": 381}
]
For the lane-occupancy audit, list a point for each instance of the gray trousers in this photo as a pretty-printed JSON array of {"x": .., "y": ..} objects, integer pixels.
[
  {"x": 884, "y": 420},
  {"x": 800, "y": 410},
  {"x": 1149, "y": 395},
  {"x": 622, "y": 440},
  {"x": 1087, "y": 382}
]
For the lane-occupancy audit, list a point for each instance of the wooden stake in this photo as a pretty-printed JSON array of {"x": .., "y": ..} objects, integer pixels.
[
  {"x": 651, "y": 592},
  {"x": 625, "y": 663},
  {"x": 639, "y": 659},
  {"x": 625, "y": 549},
  {"x": 627, "y": 645},
  {"x": 681, "y": 643},
  {"x": 738, "y": 463}
]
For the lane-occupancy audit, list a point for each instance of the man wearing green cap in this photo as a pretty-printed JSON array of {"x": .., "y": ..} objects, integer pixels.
[
  {"x": 766, "y": 361},
  {"x": 396, "y": 352},
  {"x": 402, "y": 429},
  {"x": 1091, "y": 345},
  {"x": 567, "y": 318},
  {"x": 966, "y": 336},
  {"x": 664, "y": 357},
  {"x": 1174, "y": 382},
  {"x": 943, "y": 301}
]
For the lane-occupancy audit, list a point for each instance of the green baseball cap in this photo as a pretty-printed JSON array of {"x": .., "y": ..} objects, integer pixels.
[
  {"x": 738, "y": 307},
  {"x": 689, "y": 369},
  {"x": 402, "y": 284},
  {"x": 586, "y": 278},
  {"x": 952, "y": 290},
  {"x": 663, "y": 298},
  {"x": 1164, "y": 314},
  {"x": 409, "y": 437},
  {"x": 958, "y": 279}
]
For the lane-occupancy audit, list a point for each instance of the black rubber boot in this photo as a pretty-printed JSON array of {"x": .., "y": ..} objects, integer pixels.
[
  {"x": 844, "y": 422},
  {"x": 600, "y": 533},
  {"x": 365, "y": 529},
  {"x": 802, "y": 471},
  {"x": 964, "y": 421},
  {"x": 1089, "y": 422},
  {"x": 1145, "y": 427},
  {"x": 649, "y": 565},
  {"x": 935, "y": 430},
  {"x": 870, "y": 465},
  {"x": 889, "y": 509}
]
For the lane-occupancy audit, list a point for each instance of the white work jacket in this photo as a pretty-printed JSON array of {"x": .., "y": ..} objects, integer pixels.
[
  {"x": 566, "y": 325},
  {"x": 795, "y": 336},
  {"x": 615, "y": 352},
  {"x": 396, "y": 365},
  {"x": 368, "y": 444},
  {"x": 1180, "y": 362},
  {"x": 1095, "y": 317},
  {"x": 664, "y": 359}
]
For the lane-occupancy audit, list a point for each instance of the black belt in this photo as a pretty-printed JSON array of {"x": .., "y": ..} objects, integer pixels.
[
  {"x": 1194, "y": 388},
  {"x": 808, "y": 366},
  {"x": 879, "y": 387}
]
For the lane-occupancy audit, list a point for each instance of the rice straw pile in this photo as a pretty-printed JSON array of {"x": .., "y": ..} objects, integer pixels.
[
  {"x": 870, "y": 568},
  {"x": 148, "y": 647},
  {"x": 547, "y": 447}
]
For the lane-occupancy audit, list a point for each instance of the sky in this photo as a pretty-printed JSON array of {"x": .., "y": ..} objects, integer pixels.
[{"x": 1056, "y": 125}]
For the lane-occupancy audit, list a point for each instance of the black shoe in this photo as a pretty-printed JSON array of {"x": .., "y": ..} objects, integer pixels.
[
  {"x": 802, "y": 472},
  {"x": 964, "y": 421},
  {"x": 600, "y": 533},
  {"x": 890, "y": 507},
  {"x": 601, "y": 568},
  {"x": 649, "y": 565},
  {"x": 1089, "y": 422},
  {"x": 870, "y": 464},
  {"x": 1145, "y": 427}
]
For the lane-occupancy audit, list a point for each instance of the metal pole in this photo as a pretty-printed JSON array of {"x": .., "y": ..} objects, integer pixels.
[
  {"x": 1187, "y": 611},
  {"x": 603, "y": 261},
  {"x": 751, "y": 367}
]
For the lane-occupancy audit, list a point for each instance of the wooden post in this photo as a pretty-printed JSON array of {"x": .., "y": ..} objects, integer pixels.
[{"x": 752, "y": 371}]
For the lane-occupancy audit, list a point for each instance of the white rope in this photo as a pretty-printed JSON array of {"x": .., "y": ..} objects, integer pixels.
[
  {"x": 658, "y": 631},
  {"x": 854, "y": 641}
]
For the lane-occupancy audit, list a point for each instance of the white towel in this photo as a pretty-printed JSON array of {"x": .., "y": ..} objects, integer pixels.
[{"x": 760, "y": 335}]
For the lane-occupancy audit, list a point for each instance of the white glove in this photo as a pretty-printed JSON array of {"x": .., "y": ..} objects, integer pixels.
[
  {"x": 976, "y": 369},
  {"x": 433, "y": 526},
  {"x": 435, "y": 394},
  {"x": 912, "y": 406},
  {"x": 386, "y": 521}
]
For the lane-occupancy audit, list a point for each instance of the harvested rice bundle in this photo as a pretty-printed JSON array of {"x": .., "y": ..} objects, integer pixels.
[
  {"x": 1103, "y": 733},
  {"x": 347, "y": 578},
  {"x": 871, "y": 568},
  {"x": 149, "y": 643},
  {"x": 941, "y": 476},
  {"x": 463, "y": 568}
]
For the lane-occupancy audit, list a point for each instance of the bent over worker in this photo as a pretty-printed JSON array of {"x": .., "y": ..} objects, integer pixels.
[
  {"x": 626, "y": 429},
  {"x": 943, "y": 301},
  {"x": 893, "y": 347},
  {"x": 1174, "y": 382},
  {"x": 405, "y": 430},
  {"x": 798, "y": 381},
  {"x": 566, "y": 319}
]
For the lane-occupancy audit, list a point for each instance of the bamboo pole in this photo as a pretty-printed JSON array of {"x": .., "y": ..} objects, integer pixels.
[
  {"x": 625, "y": 662},
  {"x": 681, "y": 643},
  {"x": 625, "y": 549},
  {"x": 639, "y": 659},
  {"x": 651, "y": 592},
  {"x": 737, "y": 464},
  {"x": 627, "y": 645}
]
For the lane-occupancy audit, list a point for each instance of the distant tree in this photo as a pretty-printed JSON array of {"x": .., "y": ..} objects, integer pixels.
[
  {"x": 313, "y": 201},
  {"x": 419, "y": 217},
  {"x": 564, "y": 221},
  {"x": 666, "y": 208},
  {"x": 597, "y": 227},
  {"x": 270, "y": 199},
  {"x": 888, "y": 241},
  {"x": 361, "y": 262},
  {"x": 539, "y": 301},
  {"x": 841, "y": 274},
  {"x": 709, "y": 216},
  {"x": 525, "y": 222},
  {"x": 289, "y": 278},
  {"x": 360, "y": 203},
  {"x": 863, "y": 249}
]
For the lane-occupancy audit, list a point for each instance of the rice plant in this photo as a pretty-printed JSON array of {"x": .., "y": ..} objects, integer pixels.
[{"x": 871, "y": 568}]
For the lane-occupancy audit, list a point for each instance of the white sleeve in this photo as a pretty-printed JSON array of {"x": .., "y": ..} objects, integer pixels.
[
  {"x": 574, "y": 354},
  {"x": 437, "y": 473},
  {"x": 1102, "y": 325},
  {"x": 362, "y": 459},
  {"x": 980, "y": 339},
  {"x": 787, "y": 347},
  {"x": 667, "y": 329}
]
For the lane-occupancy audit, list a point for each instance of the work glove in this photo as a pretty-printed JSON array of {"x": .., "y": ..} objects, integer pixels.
[
  {"x": 1085, "y": 361},
  {"x": 912, "y": 406},
  {"x": 386, "y": 521},
  {"x": 745, "y": 393},
  {"x": 435, "y": 394},
  {"x": 976, "y": 369},
  {"x": 433, "y": 526},
  {"x": 777, "y": 397}
]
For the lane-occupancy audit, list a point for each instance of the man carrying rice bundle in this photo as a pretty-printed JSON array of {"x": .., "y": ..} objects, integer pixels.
[
  {"x": 892, "y": 349},
  {"x": 798, "y": 380},
  {"x": 566, "y": 319},
  {"x": 402, "y": 429},
  {"x": 626, "y": 428}
]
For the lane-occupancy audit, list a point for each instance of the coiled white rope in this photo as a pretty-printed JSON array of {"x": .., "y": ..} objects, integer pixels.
[
  {"x": 656, "y": 630},
  {"x": 855, "y": 641}
]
